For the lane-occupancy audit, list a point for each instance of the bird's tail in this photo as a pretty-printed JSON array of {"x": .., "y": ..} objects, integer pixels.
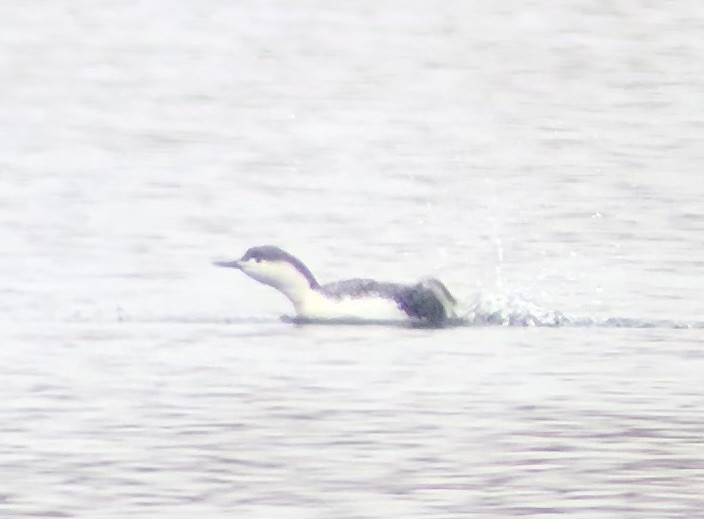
[{"x": 442, "y": 294}]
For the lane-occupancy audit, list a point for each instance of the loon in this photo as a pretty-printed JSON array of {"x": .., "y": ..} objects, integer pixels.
[{"x": 427, "y": 302}]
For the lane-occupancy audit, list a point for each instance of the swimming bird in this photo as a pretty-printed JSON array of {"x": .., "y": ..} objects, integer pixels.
[{"x": 426, "y": 302}]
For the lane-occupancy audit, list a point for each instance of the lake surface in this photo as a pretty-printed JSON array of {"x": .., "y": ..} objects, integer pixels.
[{"x": 544, "y": 160}]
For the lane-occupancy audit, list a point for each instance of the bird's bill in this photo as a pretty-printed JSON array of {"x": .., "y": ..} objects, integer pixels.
[{"x": 235, "y": 264}]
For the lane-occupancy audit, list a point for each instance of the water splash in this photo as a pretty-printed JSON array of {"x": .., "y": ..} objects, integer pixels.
[
  {"x": 513, "y": 310},
  {"x": 502, "y": 310}
]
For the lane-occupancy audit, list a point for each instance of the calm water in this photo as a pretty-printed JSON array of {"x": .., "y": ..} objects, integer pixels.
[{"x": 544, "y": 160}]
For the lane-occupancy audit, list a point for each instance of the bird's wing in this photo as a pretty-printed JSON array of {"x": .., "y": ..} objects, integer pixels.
[
  {"x": 356, "y": 288},
  {"x": 428, "y": 300}
]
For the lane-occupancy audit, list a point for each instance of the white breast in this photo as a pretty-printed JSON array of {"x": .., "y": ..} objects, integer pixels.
[{"x": 317, "y": 306}]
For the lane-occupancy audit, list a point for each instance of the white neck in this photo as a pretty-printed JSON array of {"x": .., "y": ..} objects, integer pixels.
[
  {"x": 287, "y": 280},
  {"x": 302, "y": 297}
]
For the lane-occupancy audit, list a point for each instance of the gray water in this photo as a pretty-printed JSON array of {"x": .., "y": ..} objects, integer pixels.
[{"x": 542, "y": 158}]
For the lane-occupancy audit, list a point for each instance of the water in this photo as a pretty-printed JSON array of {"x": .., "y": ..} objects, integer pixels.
[{"x": 543, "y": 160}]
